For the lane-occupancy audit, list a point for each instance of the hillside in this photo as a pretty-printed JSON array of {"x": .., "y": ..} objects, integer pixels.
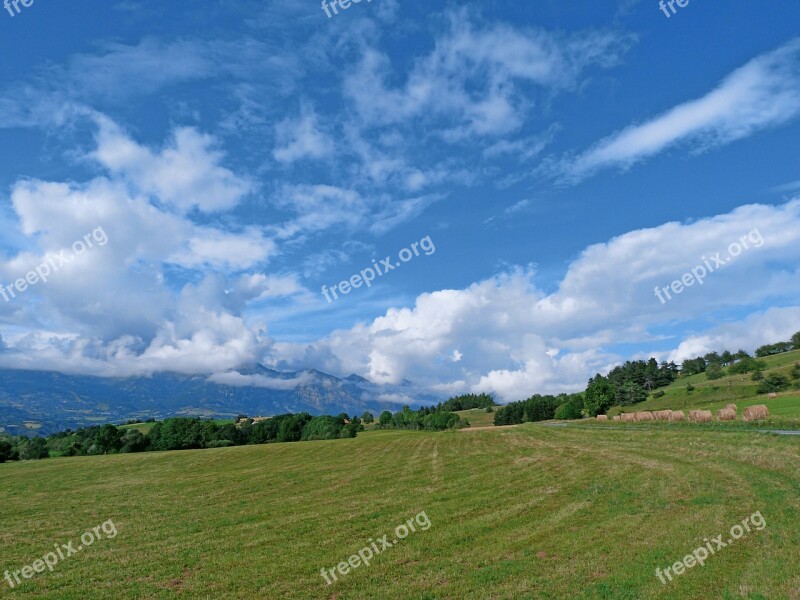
[
  {"x": 477, "y": 417},
  {"x": 739, "y": 389},
  {"x": 523, "y": 512}
]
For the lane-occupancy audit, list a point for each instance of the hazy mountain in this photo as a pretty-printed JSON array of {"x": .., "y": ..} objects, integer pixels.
[{"x": 51, "y": 401}]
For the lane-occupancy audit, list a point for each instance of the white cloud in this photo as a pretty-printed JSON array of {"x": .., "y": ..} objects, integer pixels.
[
  {"x": 207, "y": 247},
  {"x": 763, "y": 93},
  {"x": 186, "y": 174},
  {"x": 322, "y": 207},
  {"x": 513, "y": 339},
  {"x": 471, "y": 76},
  {"x": 236, "y": 379},
  {"x": 301, "y": 137},
  {"x": 758, "y": 329}
]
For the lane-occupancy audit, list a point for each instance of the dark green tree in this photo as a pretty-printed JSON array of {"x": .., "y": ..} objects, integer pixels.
[
  {"x": 630, "y": 393},
  {"x": 385, "y": 420},
  {"x": 33, "y": 449},
  {"x": 727, "y": 358},
  {"x": 6, "y": 451},
  {"x": 599, "y": 396},
  {"x": 133, "y": 440},
  {"x": 108, "y": 440},
  {"x": 714, "y": 371}
]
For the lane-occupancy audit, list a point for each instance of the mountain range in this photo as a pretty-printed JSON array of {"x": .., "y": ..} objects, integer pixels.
[{"x": 45, "y": 402}]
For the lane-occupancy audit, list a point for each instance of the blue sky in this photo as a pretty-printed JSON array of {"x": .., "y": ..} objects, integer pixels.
[{"x": 564, "y": 161}]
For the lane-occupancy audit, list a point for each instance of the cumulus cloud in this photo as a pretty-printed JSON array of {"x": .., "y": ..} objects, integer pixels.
[
  {"x": 510, "y": 337},
  {"x": 186, "y": 174},
  {"x": 764, "y": 327},
  {"x": 120, "y": 309},
  {"x": 513, "y": 339}
]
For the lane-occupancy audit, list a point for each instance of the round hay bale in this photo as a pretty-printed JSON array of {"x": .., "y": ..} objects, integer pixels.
[
  {"x": 726, "y": 414},
  {"x": 700, "y": 416},
  {"x": 755, "y": 413}
]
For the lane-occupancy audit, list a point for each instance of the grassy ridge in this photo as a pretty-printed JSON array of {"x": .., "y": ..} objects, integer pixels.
[
  {"x": 526, "y": 512},
  {"x": 739, "y": 389}
]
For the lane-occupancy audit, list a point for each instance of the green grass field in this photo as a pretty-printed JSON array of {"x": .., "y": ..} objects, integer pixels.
[
  {"x": 477, "y": 417},
  {"x": 523, "y": 512}
]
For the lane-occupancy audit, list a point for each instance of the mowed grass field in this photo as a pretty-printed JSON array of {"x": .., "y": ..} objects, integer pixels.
[{"x": 523, "y": 512}]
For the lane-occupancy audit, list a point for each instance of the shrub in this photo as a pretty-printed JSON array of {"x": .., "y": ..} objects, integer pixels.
[
  {"x": 659, "y": 394},
  {"x": 746, "y": 365},
  {"x": 773, "y": 383}
]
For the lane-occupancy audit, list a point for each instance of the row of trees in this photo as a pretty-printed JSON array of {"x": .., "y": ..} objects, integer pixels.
[
  {"x": 780, "y": 347},
  {"x": 426, "y": 418},
  {"x": 627, "y": 384},
  {"x": 624, "y": 385},
  {"x": 632, "y": 382},
  {"x": 468, "y": 402},
  {"x": 179, "y": 434},
  {"x": 541, "y": 408}
]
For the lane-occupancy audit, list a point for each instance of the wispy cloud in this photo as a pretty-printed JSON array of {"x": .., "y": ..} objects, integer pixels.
[
  {"x": 763, "y": 93},
  {"x": 236, "y": 379},
  {"x": 472, "y": 76}
]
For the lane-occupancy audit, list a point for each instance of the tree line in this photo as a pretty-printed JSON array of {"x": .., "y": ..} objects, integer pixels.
[
  {"x": 433, "y": 418},
  {"x": 468, "y": 402},
  {"x": 180, "y": 433},
  {"x": 631, "y": 383}
]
